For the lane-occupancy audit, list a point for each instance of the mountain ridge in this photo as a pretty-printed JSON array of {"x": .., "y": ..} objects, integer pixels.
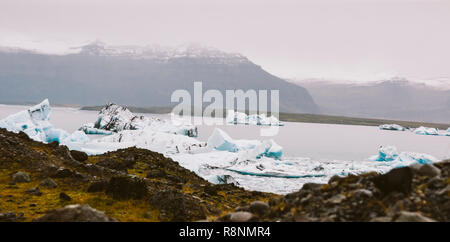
[
  {"x": 397, "y": 98},
  {"x": 98, "y": 74}
]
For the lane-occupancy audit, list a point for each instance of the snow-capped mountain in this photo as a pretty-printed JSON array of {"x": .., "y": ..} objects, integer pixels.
[
  {"x": 97, "y": 73},
  {"x": 161, "y": 53}
]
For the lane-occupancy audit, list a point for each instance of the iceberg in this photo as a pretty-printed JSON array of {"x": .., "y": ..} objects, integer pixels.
[
  {"x": 390, "y": 154},
  {"x": 114, "y": 118},
  {"x": 234, "y": 117},
  {"x": 35, "y": 122},
  {"x": 221, "y": 141},
  {"x": 447, "y": 132},
  {"x": 426, "y": 131},
  {"x": 392, "y": 127}
]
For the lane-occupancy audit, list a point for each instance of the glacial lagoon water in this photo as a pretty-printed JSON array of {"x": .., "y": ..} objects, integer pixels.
[{"x": 319, "y": 142}]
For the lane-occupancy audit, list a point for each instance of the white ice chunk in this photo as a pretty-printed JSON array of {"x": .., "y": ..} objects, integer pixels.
[
  {"x": 234, "y": 117},
  {"x": 392, "y": 127},
  {"x": 115, "y": 118},
  {"x": 76, "y": 137},
  {"x": 35, "y": 123},
  {"x": 219, "y": 140},
  {"x": 426, "y": 131},
  {"x": 390, "y": 154}
]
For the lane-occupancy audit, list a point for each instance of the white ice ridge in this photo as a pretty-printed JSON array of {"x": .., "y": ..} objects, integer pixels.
[
  {"x": 234, "y": 117},
  {"x": 35, "y": 122},
  {"x": 392, "y": 127},
  {"x": 114, "y": 118}
]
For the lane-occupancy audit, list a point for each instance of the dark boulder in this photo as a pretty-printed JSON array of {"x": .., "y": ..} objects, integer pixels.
[
  {"x": 125, "y": 187},
  {"x": 78, "y": 155},
  {"x": 260, "y": 208},
  {"x": 178, "y": 206},
  {"x": 20, "y": 176},
  {"x": 75, "y": 213},
  {"x": 63, "y": 173},
  {"x": 398, "y": 179},
  {"x": 48, "y": 183}
]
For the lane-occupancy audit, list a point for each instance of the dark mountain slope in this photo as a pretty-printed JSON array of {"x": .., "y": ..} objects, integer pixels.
[{"x": 97, "y": 75}]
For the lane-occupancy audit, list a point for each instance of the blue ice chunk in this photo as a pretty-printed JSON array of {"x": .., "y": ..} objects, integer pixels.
[
  {"x": 77, "y": 137},
  {"x": 89, "y": 129},
  {"x": 274, "y": 151},
  {"x": 426, "y": 131},
  {"x": 387, "y": 153},
  {"x": 219, "y": 140},
  {"x": 390, "y": 154},
  {"x": 57, "y": 135}
]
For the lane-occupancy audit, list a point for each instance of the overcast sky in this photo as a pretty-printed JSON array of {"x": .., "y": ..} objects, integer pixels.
[{"x": 345, "y": 39}]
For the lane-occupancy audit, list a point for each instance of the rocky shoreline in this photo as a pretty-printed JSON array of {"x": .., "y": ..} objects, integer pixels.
[{"x": 47, "y": 182}]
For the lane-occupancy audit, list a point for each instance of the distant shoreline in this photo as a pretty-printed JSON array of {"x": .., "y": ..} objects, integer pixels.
[
  {"x": 286, "y": 117},
  {"x": 305, "y": 118}
]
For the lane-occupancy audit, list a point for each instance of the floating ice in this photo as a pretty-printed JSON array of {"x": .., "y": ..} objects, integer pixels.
[
  {"x": 387, "y": 153},
  {"x": 253, "y": 164},
  {"x": 76, "y": 137},
  {"x": 53, "y": 134},
  {"x": 115, "y": 118},
  {"x": 426, "y": 131},
  {"x": 219, "y": 140},
  {"x": 89, "y": 129},
  {"x": 390, "y": 154},
  {"x": 254, "y": 119},
  {"x": 392, "y": 127},
  {"x": 447, "y": 132},
  {"x": 165, "y": 143},
  {"x": 35, "y": 122}
]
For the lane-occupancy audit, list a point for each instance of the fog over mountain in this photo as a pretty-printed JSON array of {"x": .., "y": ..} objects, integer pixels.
[
  {"x": 391, "y": 99},
  {"x": 94, "y": 74}
]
